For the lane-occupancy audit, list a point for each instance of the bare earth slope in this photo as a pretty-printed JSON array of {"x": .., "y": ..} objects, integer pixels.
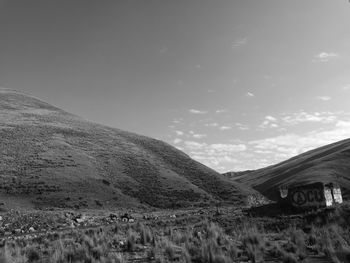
[
  {"x": 330, "y": 163},
  {"x": 49, "y": 157}
]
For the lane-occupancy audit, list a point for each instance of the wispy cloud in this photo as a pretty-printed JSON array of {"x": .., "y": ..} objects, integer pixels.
[
  {"x": 324, "y": 98},
  {"x": 212, "y": 124},
  {"x": 242, "y": 127},
  {"x": 194, "y": 111},
  {"x": 270, "y": 118},
  {"x": 325, "y": 56},
  {"x": 249, "y": 94},
  {"x": 313, "y": 117},
  {"x": 286, "y": 146},
  {"x": 197, "y": 135},
  {"x": 216, "y": 155},
  {"x": 269, "y": 122},
  {"x": 180, "y": 133},
  {"x": 221, "y": 111},
  {"x": 177, "y": 140},
  {"x": 335, "y": 127},
  {"x": 177, "y": 120},
  {"x": 225, "y": 128},
  {"x": 346, "y": 87},
  {"x": 239, "y": 42},
  {"x": 257, "y": 153}
]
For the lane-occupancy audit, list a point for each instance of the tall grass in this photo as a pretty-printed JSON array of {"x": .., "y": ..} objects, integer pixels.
[{"x": 203, "y": 242}]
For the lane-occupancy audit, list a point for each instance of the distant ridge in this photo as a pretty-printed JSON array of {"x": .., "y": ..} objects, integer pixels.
[
  {"x": 330, "y": 163},
  {"x": 49, "y": 157}
]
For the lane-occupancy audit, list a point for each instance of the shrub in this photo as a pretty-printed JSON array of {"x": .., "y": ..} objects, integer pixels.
[
  {"x": 169, "y": 250},
  {"x": 106, "y": 182},
  {"x": 32, "y": 254},
  {"x": 253, "y": 243},
  {"x": 131, "y": 240},
  {"x": 145, "y": 235}
]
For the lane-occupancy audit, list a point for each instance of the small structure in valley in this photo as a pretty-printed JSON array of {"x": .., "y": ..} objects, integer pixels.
[{"x": 314, "y": 195}]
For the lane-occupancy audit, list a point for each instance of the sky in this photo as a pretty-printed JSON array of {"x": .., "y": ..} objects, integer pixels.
[{"x": 235, "y": 84}]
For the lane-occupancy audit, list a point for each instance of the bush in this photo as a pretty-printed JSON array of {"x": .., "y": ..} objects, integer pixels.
[
  {"x": 32, "y": 254},
  {"x": 131, "y": 241}
]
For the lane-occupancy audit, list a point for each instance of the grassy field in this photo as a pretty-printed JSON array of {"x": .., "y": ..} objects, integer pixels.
[{"x": 205, "y": 235}]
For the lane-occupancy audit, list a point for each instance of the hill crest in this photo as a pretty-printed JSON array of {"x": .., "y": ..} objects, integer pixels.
[
  {"x": 50, "y": 157},
  {"x": 330, "y": 163}
]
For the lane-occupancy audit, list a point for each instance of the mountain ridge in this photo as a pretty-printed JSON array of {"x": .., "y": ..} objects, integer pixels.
[{"x": 329, "y": 163}]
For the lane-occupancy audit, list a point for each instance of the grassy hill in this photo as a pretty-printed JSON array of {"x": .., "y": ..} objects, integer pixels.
[
  {"x": 330, "y": 163},
  {"x": 49, "y": 157}
]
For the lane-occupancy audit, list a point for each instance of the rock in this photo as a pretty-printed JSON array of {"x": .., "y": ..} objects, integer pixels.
[
  {"x": 31, "y": 229},
  {"x": 113, "y": 217},
  {"x": 79, "y": 220}
]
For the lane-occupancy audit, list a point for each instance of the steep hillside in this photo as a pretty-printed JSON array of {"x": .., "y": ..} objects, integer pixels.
[
  {"x": 49, "y": 157},
  {"x": 330, "y": 163}
]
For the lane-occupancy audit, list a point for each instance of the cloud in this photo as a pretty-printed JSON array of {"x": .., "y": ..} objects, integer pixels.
[
  {"x": 323, "y": 98},
  {"x": 225, "y": 128},
  {"x": 217, "y": 155},
  {"x": 269, "y": 122},
  {"x": 346, "y": 87},
  {"x": 180, "y": 133},
  {"x": 191, "y": 145},
  {"x": 177, "y": 140},
  {"x": 199, "y": 136},
  {"x": 249, "y": 94},
  {"x": 177, "y": 121},
  {"x": 239, "y": 42},
  {"x": 286, "y": 146},
  {"x": 213, "y": 124},
  {"x": 325, "y": 56},
  {"x": 221, "y": 111},
  {"x": 241, "y": 126},
  {"x": 314, "y": 117},
  {"x": 221, "y": 147},
  {"x": 270, "y": 118},
  {"x": 194, "y": 111}
]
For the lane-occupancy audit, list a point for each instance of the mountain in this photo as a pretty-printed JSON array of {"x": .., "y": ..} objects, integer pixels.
[
  {"x": 232, "y": 175},
  {"x": 330, "y": 163},
  {"x": 49, "y": 157}
]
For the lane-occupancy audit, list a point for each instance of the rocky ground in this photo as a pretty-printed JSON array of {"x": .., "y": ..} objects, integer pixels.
[{"x": 225, "y": 234}]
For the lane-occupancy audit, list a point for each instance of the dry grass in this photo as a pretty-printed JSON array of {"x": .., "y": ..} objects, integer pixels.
[{"x": 203, "y": 241}]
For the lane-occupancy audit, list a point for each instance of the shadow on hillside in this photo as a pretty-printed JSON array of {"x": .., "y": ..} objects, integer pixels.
[{"x": 272, "y": 210}]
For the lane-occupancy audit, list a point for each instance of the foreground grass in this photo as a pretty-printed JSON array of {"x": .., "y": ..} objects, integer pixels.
[{"x": 203, "y": 241}]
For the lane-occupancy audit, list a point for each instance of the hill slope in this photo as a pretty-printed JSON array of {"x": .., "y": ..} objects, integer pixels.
[
  {"x": 330, "y": 163},
  {"x": 49, "y": 157}
]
